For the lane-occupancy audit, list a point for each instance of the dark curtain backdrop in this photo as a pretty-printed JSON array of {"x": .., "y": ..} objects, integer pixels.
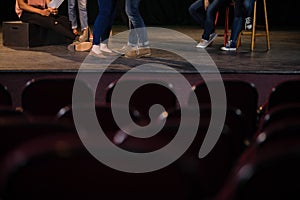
[{"x": 174, "y": 12}]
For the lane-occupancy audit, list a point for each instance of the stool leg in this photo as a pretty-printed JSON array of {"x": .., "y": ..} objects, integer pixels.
[
  {"x": 226, "y": 26},
  {"x": 253, "y": 27},
  {"x": 216, "y": 19},
  {"x": 267, "y": 26}
]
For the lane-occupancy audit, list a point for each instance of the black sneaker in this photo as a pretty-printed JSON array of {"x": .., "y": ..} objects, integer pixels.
[
  {"x": 230, "y": 46},
  {"x": 248, "y": 23}
]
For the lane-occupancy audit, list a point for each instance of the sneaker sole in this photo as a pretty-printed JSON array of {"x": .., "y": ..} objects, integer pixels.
[
  {"x": 97, "y": 55},
  {"x": 138, "y": 56},
  {"x": 225, "y": 49}
]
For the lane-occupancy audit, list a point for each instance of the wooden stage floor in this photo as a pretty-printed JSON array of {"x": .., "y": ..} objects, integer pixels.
[
  {"x": 282, "y": 58},
  {"x": 263, "y": 68}
]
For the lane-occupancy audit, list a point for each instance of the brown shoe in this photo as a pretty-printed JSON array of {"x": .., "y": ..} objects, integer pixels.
[
  {"x": 83, "y": 46},
  {"x": 85, "y": 36},
  {"x": 138, "y": 52}
]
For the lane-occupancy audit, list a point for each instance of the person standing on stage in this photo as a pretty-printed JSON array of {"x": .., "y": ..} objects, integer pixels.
[
  {"x": 138, "y": 43},
  {"x": 37, "y": 12},
  {"x": 102, "y": 27},
  {"x": 204, "y": 13},
  {"x": 83, "y": 18}
]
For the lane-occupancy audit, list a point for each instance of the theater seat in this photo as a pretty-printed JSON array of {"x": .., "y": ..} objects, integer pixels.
[{"x": 47, "y": 95}]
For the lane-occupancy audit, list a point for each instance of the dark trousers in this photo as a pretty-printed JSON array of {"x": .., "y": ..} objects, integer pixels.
[
  {"x": 58, "y": 23},
  {"x": 104, "y": 21}
]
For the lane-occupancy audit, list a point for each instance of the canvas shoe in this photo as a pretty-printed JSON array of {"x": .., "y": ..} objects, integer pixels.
[
  {"x": 204, "y": 43},
  {"x": 248, "y": 23},
  {"x": 138, "y": 52},
  {"x": 85, "y": 35},
  {"x": 230, "y": 46},
  {"x": 124, "y": 49},
  {"x": 80, "y": 46},
  {"x": 96, "y": 52}
]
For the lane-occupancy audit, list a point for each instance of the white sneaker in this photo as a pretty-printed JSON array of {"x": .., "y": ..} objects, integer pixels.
[
  {"x": 248, "y": 23},
  {"x": 96, "y": 52},
  {"x": 204, "y": 43}
]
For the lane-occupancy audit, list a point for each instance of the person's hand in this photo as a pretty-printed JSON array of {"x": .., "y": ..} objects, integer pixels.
[
  {"x": 53, "y": 11},
  {"x": 206, "y": 4},
  {"x": 45, "y": 12}
]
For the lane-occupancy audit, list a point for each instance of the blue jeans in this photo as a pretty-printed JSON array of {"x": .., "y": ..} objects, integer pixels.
[
  {"x": 82, "y": 11},
  {"x": 249, "y": 4},
  {"x": 104, "y": 21},
  {"x": 205, "y": 18},
  {"x": 237, "y": 25},
  {"x": 137, "y": 34},
  {"x": 197, "y": 12}
]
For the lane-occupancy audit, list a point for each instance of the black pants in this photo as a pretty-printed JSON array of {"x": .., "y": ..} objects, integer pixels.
[{"x": 58, "y": 23}]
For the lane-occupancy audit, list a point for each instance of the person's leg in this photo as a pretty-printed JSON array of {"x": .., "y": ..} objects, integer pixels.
[
  {"x": 237, "y": 26},
  {"x": 102, "y": 26},
  {"x": 83, "y": 17},
  {"x": 104, "y": 45},
  {"x": 49, "y": 23},
  {"x": 72, "y": 15},
  {"x": 136, "y": 20},
  {"x": 208, "y": 35},
  {"x": 133, "y": 37},
  {"x": 209, "y": 24},
  {"x": 55, "y": 23},
  {"x": 249, "y": 4},
  {"x": 197, "y": 12},
  {"x": 111, "y": 18},
  {"x": 102, "y": 21},
  {"x": 82, "y": 10}
]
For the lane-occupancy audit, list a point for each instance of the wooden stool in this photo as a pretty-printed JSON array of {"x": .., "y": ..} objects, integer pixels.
[{"x": 253, "y": 33}]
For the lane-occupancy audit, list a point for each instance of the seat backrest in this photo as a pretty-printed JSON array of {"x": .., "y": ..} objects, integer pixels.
[
  {"x": 104, "y": 116},
  {"x": 205, "y": 175},
  {"x": 239, "y": 94},
  {"x": 281, "y": 112},
  {"x": 18, "y": 129},
  {"x": 60, "y": 167},
  {"x": 269, "y": 168},
  {"x": 283, "y": 93},
  {"x": 46, "y": 96},
  {"x": 145, "y": 96}
]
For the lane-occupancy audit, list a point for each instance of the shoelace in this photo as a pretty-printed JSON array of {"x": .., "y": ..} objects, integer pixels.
[
  {"x": 248, "y": 20},
  {"x": 229, "y": 43}
]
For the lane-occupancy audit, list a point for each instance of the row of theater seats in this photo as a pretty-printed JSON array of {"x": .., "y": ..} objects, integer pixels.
[{"x": 256, "y": 156}]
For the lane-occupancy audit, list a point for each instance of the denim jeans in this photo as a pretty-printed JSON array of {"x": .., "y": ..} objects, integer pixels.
[
  {"x": 82, "y": 11},
  {"x": 205, "y": 18},
  {"x": 137, "y": 34},
  {"x": 197, "y": 12},
  {"x": 249, "y": 4},
  {"x": 238, "y": 19},
  {"x": 104, "y": 21}
]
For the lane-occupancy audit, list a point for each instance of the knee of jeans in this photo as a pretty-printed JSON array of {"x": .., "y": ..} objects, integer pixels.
[{"x": 192, "y": 11}]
